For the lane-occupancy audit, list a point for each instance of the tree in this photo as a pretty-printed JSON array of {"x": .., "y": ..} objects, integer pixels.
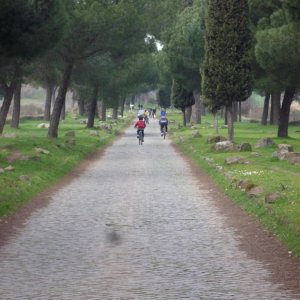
[
  {"x": 277, "y": 52},
  {"x": 182, "y": 98},
  {"x": 226, "y": 68},
  {"x": 95, "y": 28},
  {"x": 185, "y": 49},
  {"x": 25, "y": 30}
]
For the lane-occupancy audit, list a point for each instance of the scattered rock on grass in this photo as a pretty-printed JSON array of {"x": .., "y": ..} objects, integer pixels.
[
  {"x": 272, "y": 197},
  {"x": 255, "y": 192},
  {"x": 265, "y": 142}
]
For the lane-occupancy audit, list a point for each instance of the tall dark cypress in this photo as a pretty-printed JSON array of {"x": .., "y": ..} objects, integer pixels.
[{"x": 226, "y": 68}]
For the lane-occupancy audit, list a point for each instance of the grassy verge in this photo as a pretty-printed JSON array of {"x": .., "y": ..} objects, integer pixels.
[
  {"x": 37, "y": 162},
  {"x": 274, "y": 175}
]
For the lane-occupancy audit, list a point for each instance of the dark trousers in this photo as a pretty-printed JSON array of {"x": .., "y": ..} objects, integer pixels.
[{"x": 162, "y": 127}]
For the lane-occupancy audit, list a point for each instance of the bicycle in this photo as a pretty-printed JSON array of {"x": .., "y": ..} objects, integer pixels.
[
  {"x": 164, "y": 132},
  {"x": 140, "y": 137}
]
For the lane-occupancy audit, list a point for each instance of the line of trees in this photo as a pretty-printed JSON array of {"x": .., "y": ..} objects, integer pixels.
[
  {"x": 214, "y": 54},
  {"x": 224, "y": 50},
  {"x": 96, "y": 48}
]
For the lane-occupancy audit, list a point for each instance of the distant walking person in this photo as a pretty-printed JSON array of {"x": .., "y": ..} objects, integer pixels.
[{"x": 154, "y": 113}]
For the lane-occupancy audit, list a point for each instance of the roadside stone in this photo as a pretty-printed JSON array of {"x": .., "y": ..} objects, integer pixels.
[
  {"x": 16, "y": 155},
  {"x": 255, "y": 192},
  {"x": 223, "y": 146},
  {"x": 196, "y": 134},
  {"x": 94, "y": 133},
  {"x": 234, "y": 160},
  {"x": 255, "y": 154},
  {"x": 25, "y": 178},
  {"x": 272, "y": 197},
  {"x": 295, "y": 160},
  {"x": 41, "y": 151},
  {"x": 43, "y": 125},
  {"x": 215, "y": 139},
  {"x": 2, "y": 171},
  {"x": 9, "y": 168},
  {"x": 282, "y": 151},
  {"x": 9, "y": 135},
  {"x": 245, "y": 185},
  {"x": 285, "y": 147},
  {"x": 70, "y": 133},
  {"x": 265, "y": 142},
  {"x": 71, "y": 142},
  {"x": 245, "y": 147}
]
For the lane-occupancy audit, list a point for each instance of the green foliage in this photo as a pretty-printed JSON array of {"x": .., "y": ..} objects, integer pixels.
[
  {"x": 226, "y": 69},
  {"x": 27, "y": 25},
  {"x": 181, "y": 97},
  {"x": 277, "y": 49},
  {"x": 185, "y": 47}
]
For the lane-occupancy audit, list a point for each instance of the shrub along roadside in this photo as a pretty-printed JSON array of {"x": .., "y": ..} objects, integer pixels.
[
  {"x": 30, "y": 162},
  {"x": 262, "y": 169}
]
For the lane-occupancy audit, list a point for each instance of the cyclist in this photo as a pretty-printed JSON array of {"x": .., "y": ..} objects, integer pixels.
[
  {"x": 140, "y": 125},
  {"x": 146, "y": 116},
  {"x": 163, "y": 122}
]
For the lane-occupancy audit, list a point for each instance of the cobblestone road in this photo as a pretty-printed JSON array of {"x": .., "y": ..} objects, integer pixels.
[{"x": 136, "y": 225}]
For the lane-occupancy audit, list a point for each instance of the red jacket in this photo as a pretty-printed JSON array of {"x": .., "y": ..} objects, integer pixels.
[{"x": 140, "y": 124}]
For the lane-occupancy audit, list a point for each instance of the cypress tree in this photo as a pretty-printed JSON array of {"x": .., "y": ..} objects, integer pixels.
[{"x": 226, "y": 68}]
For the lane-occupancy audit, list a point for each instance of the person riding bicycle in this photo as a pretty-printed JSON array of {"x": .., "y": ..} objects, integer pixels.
[
  {"x": 140, "y": 125},
  {"x": 163, "y": 122},
  {"x": 146, "y": 116}
]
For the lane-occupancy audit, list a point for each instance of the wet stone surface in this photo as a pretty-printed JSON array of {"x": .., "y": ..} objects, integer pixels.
[{"x": 137, "y": 224}]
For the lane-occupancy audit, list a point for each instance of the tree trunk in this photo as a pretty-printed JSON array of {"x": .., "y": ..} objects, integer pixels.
[
  {"x": 225, "y": 115},
  {"x": 240, "y": 111},
  {"x": 48, "y": 100},
  {"x": 230, "y": 123},
  {"x": 235, "y": 111},
  {"x": 81, "y": 107},
  {"x": 60, "y": 100},
  {"x": 63, "y": 112},
  {"x": 264, "y": 117},
  {"x": 123, "y": 106},
  {"x": 115, "y": 113},
  {"x": 196, "y": 109},
  {"x": 15, "y": 121},
  {"x": 216, "y": 122},
  {"x": 188, "y": 113},
  {"x": 275, "y": 108},
  {"x": 93, "y": 109},
  {"x": 285, "y": 112},
  {"x": 8, "y": 96},
  {"x": 102, "y": 109},
  {"x": 184, "y": 116}
]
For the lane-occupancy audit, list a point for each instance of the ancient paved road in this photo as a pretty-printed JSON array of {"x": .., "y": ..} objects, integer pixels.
[{"x": 136, "y": 225}]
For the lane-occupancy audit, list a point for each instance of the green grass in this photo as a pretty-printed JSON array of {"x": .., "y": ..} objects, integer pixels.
[
  {"x": 282, "y": 217},
  {"x": 43, "y": 170}
]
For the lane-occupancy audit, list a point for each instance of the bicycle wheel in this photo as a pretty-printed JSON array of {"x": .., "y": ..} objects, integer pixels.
[
  {"x": 164, "y": 133},
  {"x": 140, "y": 137}
]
